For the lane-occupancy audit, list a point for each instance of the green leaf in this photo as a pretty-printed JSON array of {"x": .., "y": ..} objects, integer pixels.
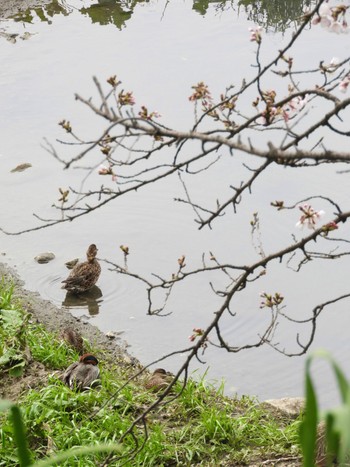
[
  {"x": 17, "y": 370},
  {"x": 337, "y": 420},
  {"x": 308, "y": 429},
  {"x": 338, "y": 433},
  {"x": 20, "y": 438},
  {"x": 11, "y": 318},
  {"x": 343, "y": 384},
  {"x": 24, "y": 457},
  {"x": 332, "y": 436},
  {"x": 80, "y": 451}
]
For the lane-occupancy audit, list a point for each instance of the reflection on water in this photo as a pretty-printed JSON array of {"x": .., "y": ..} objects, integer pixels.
[
  {"x": 90, "y": 300},
  {"x": 277, "y": 15},
  {"x": 110, "y": 12},
  {"x": 45, "y": 13}
]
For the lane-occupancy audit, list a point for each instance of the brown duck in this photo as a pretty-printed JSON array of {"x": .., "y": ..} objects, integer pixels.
[
  {"x": 82, "y": 374},
  {"x": 158, "y": 380},
  {"x": 74, "y": 339},
  {"x": 84, "y": 275}
]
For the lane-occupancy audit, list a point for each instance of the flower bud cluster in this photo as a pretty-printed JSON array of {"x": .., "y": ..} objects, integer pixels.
[
  {"x": 197, "y": 332},
  {"x": 269, "y": 301}
]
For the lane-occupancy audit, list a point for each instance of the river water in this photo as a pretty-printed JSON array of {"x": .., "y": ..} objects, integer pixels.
[{"x": 159, "y": 50}]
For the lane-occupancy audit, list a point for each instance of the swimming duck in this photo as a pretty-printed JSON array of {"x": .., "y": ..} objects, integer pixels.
[
  {"x": 74, "y": 339},
  {"x": 82, "y": 374},
  {"x": 84, "y": 275},
  {"x": 158, "y": 380}
]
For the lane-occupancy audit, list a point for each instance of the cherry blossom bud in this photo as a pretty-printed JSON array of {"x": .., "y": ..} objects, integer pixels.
[
  {"x": 125, "y": 249},
  {"x": 66, "y": 126}
]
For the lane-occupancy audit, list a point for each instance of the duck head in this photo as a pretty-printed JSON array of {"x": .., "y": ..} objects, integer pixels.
[
  {"x": 91, "y": 252},
  {"x": 88, "y": 359},
  {"x": 160, "y": 372}
]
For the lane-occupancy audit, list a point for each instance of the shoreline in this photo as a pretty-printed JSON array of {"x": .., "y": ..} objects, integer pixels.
[{"x": 55, "y": 319}]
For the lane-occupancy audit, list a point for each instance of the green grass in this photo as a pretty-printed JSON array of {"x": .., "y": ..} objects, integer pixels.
[
  {"x": 46, "y": 348},
  {"x": 13, "y": 331},
  {"x": 200, "y": 427}
]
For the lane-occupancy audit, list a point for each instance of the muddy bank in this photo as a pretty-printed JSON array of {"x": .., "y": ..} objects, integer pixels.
[{"x": 55, "y": 319}]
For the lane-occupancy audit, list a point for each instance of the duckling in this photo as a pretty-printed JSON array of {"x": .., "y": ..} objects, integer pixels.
[
  {"x": 82, "y": 374},
  {"x": 74, "y": 339},
  {"x": 84, "y": 275},
  {"x": 158, "y": 380}
]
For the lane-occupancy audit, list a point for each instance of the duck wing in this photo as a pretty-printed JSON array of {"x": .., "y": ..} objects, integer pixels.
[
  {"x": 69, "y": 373},
  {"x": 85, "y": 376},
  {"x": 83, "y": 274}
]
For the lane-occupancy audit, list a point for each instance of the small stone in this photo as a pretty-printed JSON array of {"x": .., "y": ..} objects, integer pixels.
[
  {"x": 43, "y": 258},
  {"x": 27, "y": 35},
  {"x": 288, "y": 406},
  {"x": 72, "y": 263},
  {"x": 9, "y": 37},
  {"x": 127, "y": 360},
  {"x": 84, "y": 319},
  {"x": 111, "y": 335}
]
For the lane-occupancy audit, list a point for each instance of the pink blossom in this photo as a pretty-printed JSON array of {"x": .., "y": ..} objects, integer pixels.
[
  {"x": 325, "y": 21},
  {"x": 255, "y": 34},
  {"x": 343, "y": 85},
  {"x": 103, "y": 170},
  {"x": 309, "y": 217},
  {"x": 333, "y": 64},
  {"x": 292, "y": 107},
  {"x": 336, "y": 27},
  {"x": 325, "y": 10},
  {"x": 332, "y": 18}
]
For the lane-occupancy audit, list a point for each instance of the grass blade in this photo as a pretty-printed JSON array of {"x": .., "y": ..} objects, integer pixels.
[
  {"x": 24, "y": 457},
  {"x": 308, "y": 429}
]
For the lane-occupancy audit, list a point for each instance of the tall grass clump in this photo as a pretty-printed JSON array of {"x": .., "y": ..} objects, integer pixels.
[
  {"x": 325, "y": 436},
  {"x": 13, "y": 331}
]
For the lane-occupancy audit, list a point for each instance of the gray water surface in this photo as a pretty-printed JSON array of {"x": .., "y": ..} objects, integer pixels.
[{"x": 160, "y": 51}]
